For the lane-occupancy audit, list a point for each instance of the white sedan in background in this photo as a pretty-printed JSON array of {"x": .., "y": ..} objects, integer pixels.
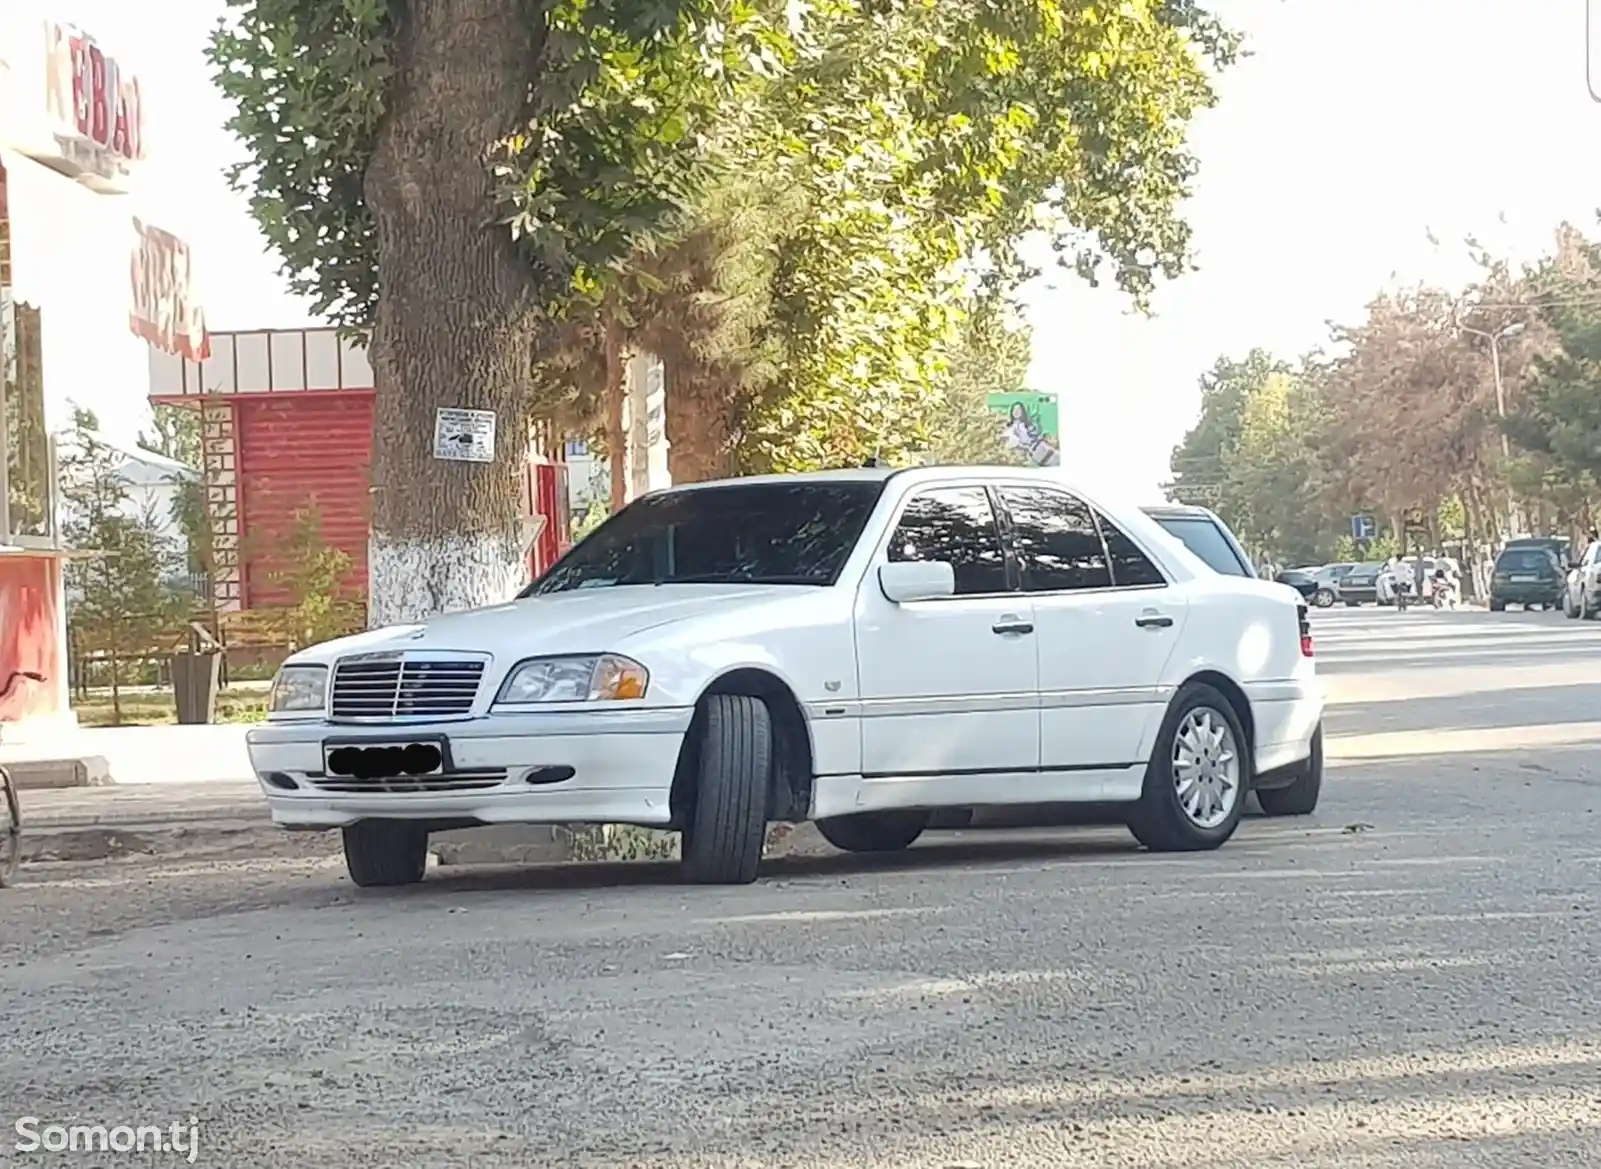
[{"x": 858, "y": 648}]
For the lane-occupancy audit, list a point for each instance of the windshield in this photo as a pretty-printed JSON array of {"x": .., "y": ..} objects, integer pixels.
[
  {"x": 1204, "y": 538},
  {"x": 759, "y": 533},
  {"x": 1524, "y": 560}
]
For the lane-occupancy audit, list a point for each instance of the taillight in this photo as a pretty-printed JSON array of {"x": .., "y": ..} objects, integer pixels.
[{"x": 1306, "y": 630}]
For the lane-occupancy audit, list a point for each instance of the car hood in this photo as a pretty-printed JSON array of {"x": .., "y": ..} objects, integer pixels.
[{"x": 581, "y": 621}]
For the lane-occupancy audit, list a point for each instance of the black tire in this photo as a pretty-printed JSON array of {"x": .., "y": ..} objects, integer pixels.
[
  {"x": 874, "y": 831},
  {"x": 1498, "y": 606},
  {"x": 1299, "y": 798},
  {"x": 1158, "y": 820},
  {"x": 1323, "y": 598},
  {"x": 10, "y": 831},
  {"x": 1569, "y": 609},
  {"x": 381, "y": 853},
  {"x": 722, "y": 842},
  {"x": 1586, "y": 610}
]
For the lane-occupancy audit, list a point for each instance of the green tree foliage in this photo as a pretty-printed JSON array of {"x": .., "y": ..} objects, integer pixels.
[
  {"x": 314, "y": 574},
  {"x": 176, "y": 435},
  {"x": 1403, "y": 416},
  {"x": 120, "y": 601},
  {"x": 990, "y": 356},
  {"x": 803, "y": 195}
]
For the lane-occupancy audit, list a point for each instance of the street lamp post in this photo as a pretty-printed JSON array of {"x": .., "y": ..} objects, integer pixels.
[{"x": 1495, "y": 338}]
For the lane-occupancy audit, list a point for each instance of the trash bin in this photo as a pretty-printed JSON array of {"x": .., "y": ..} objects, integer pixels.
[{"x": 196, "y": 679}]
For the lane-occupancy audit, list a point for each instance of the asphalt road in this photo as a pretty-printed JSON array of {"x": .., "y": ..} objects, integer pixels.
[{"x": 1405, "y": 979}]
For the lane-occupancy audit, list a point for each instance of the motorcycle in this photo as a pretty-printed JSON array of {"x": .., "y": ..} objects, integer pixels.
[{"x": 1443, "y": 595}]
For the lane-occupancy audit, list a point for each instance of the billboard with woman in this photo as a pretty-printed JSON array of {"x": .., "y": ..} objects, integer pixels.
[{"x": 1029, "y": 427}]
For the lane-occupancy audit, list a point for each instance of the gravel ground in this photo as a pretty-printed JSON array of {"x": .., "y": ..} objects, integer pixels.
[{"x": 1404, "y": 979}]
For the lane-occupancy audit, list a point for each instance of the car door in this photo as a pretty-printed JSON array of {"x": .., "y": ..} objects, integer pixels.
[
  {"x": 948, "y": 685},
  {"x": 1587, "y": 572},
  {"x": 1107, "y": 622}
]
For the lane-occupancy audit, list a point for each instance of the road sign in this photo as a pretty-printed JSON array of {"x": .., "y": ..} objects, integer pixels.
[{"x": 1364, "y": 527}]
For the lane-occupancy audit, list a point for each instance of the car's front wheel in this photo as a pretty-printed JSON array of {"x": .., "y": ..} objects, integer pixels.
[
  {"x": 873, "y": 831},
  {"x": 1323, "y": 598},
  {"x": 1299, "y": 797},
  {"x": 386, "y": 852},
  {"x": 1195, "y": 782},
  {"x": 722, "y": 841}
]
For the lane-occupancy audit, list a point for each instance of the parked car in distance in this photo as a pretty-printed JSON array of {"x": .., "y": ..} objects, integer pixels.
[
  {"x": 1582, "y": 597},
  {"x": 1529, "y": 575},
  {"x": 855, "y": 648},
  {"x": 1204, "y": 533},
  {"x": 1360, "y": 585},
  {"x": 1302, "y": 580},
  {"x": 1328, "y": 579}
]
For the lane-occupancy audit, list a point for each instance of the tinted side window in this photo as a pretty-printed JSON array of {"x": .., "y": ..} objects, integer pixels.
[
  {"x": 1204, "y": 538},
  {"x": 955, "y": 524},
  {"x": 1056, "y": 541},
  {"x": 1130, "y": 566}
]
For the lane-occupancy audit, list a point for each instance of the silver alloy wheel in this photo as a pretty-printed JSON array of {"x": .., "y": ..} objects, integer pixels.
[{"x": 1206, "y": 767}]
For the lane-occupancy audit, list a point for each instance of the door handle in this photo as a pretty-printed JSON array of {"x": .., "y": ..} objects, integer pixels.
[
  {"x": 1012, "y": 625},
  {"x": 1153, "y": 621}
]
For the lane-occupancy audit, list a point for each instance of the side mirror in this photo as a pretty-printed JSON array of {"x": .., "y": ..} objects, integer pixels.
[{"x": 917, "y": 580}]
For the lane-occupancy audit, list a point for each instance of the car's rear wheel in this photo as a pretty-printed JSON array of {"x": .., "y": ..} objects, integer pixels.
[
  {"x": 722, "y": 840},
  {"x": 1498, "y": 606},
  {"x": 1298, "y": 798},
  {"x": 873, "y": 831},
  {"x": 1323, "y": 598},
  {"x": 386, "y": 852},
  {"x": 1195, "y": 783}
]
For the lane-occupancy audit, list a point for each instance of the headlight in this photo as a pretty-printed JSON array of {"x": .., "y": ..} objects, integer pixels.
[
  {"x": 298, "y": 690},
  {"x": 592, "y": 678}
]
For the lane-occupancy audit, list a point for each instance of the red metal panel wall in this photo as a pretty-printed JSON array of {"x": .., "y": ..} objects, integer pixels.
[
  {"x": 30, "y": 595},
  {"x": 298, "y": 450}
]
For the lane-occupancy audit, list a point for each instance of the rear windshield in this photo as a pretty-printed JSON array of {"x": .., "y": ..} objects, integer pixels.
[
  {"x": 1204, "y": 538},
  {"x": 756, "y": 533},
  {"x": 1524, "y": 560}
]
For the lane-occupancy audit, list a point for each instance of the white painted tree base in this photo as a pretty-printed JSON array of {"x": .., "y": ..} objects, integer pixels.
[{"x": 411, "y": 580}]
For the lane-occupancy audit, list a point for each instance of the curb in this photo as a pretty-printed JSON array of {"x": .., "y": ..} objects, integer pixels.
[{"x": 90, "y": 840}]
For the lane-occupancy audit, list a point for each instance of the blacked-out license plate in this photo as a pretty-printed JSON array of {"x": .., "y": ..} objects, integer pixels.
[{"x": 368, "y": 759}]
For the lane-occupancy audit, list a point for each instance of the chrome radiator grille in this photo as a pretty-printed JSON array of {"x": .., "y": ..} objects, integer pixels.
[{"x": 380, "y": 689}]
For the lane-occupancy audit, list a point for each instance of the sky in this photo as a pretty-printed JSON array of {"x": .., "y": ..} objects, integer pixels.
[{"x": 1354, "y": 130}]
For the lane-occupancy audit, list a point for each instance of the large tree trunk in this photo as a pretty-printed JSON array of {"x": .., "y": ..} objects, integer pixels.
[
  {"x": 616, "y": 432},
  {"x": 698, "y": 427},
  {"x": 456, "y": 322}
]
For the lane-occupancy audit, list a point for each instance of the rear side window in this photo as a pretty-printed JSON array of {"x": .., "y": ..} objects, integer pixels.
[
  {"x": 1207, "y": 541},
  {"x": 1131, "y": 568},
  {"x": 954, "y": 524},
  {"x": 1058, "y": 546}
]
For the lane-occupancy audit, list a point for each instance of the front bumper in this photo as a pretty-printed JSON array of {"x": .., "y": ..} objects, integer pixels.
[{"x": 622, "y": 766}]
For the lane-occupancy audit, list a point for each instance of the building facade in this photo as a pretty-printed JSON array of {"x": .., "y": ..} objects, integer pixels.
[
  {"x": 82, "y": 291},
  {"x": 287, "y": 434}
]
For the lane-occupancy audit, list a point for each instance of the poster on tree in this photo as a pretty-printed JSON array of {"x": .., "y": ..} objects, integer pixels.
[{"x": 1029, "y": 426}]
